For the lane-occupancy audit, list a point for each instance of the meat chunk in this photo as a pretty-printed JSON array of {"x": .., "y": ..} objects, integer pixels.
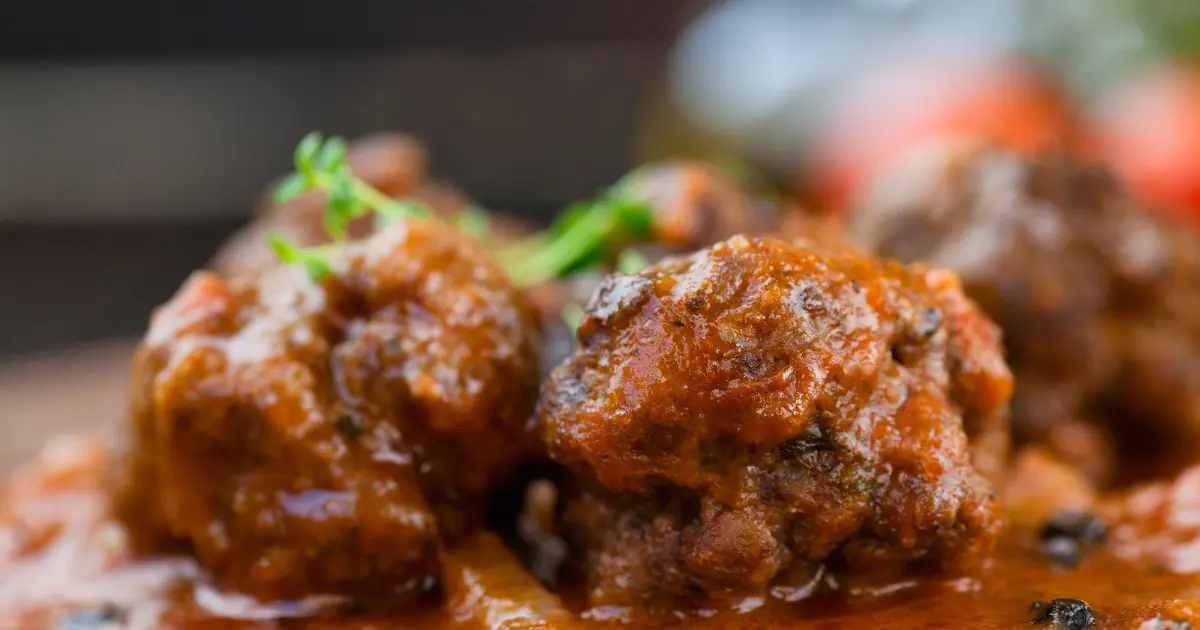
[
  {"x": 1097, "y": 298},
  {"x": 696, "y": 205},
  {"x": 309, "y": 438},
  {"x": 744, "y": 417},
  {"x": 1038, "y": 486},
  {"x": 1155, "y": 524}
]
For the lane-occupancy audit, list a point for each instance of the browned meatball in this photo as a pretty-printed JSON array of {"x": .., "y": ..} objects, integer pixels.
[
  {"x": 696, "y": 205},
  {"x": 320, "y": 438},
  {"x": 1097, "y": 298},
  {"x": 760, "y": 412}
]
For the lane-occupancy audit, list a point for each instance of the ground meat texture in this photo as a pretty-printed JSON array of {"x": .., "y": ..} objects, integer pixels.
[
  {"x": 1097, "y": 297},
  {"x": 744, "y": 416},
  {"x": 304, "y": 438}
]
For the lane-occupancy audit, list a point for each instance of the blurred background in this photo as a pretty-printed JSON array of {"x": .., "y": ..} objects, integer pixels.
[{"x": 136, "y": 136}]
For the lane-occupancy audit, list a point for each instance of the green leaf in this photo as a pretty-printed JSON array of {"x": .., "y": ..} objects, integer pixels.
[
  {"x": 342, "y": 204},
  {"x": 587, "y": 258},
  {"x": 635, "y": 217},
  {"x": 631, "y": 261},
  {"x": 291, "y": 187},
  {"x": 572, "y": 316},
  {"x": 284, "y": 249},
  {"x": 413, "y": 209},
  {"x": 331, "y": 156},
  {"x": 314, "y": 263},
  {"x": 570, "y": 216},
  {"x": 473, "y": 221},
  {"x": 306, "y": 153}
]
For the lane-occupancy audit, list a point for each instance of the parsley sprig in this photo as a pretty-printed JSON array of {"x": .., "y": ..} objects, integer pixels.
[{"x": 584, "y": 234}]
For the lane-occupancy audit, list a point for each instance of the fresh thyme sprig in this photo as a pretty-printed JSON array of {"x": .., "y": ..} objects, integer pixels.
[
  {"x": 313, "y": 259},
  {"x": 321, "y": 165},
  {"x": 584, "y": 234}
]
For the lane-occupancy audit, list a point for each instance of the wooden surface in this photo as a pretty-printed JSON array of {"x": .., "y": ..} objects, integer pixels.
[{"x": 80, "y": 390}]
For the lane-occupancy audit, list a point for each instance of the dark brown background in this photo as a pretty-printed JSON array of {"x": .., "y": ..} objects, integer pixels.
[{"x": 138, "y": 134}]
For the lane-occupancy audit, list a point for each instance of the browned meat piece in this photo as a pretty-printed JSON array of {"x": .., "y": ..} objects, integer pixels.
[
  {"x": 696, "y": 205},
  {"x": 754, "y": 413},
  {"x": 1038, "y": 486},
  {"x": 393, "y": 163},
  {"x": 1155, "y": 525},
  {"x": 304, "y": 438},
  {"x": 1097, "y": 298}
]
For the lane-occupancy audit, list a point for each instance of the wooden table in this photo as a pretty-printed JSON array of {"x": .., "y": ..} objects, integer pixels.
[{"x": 80, "y": 390}]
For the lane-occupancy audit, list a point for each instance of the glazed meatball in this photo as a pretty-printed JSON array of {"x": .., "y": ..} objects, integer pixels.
[
  {"x": 758, "y": 413},
  {"x": 393, "y": 163},
  {"x": 316, "y": 438},
  {"x": 696, "y": 205},
  {"x": 1097, "y": 298}
]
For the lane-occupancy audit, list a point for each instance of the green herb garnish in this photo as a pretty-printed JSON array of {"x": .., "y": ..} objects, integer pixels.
[
  {"x": 583, "y": 235},
  {"x": 474, "y": 221},
  {"x": 313, "y": 259},
  {"x": 631, "y": 261},
  {"x": 572, "y": 316},
  {"x": 321, "y": 165}
]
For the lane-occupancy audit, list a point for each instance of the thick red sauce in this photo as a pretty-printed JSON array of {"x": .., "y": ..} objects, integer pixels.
[{"x": 61, "y": 552}]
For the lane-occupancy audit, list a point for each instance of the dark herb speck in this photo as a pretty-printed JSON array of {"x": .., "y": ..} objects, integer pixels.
[
  {"x": 1073, "y": 614},
  {"x": 1067, "y": 536}
]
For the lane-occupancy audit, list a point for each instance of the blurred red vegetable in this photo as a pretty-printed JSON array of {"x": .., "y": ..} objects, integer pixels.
[
  {"x": 1149, "y": 130},
  {"x": 908, "y": 103}
]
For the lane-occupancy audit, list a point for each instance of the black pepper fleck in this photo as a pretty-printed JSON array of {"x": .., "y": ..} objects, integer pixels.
[
  {"x": 1073, "y": 614},
  {"x": 1068, "y": 535},
  {"x": 350, "y": 427}
]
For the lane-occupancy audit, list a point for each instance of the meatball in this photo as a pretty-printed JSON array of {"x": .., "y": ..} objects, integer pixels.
[
  {"x": 757, "y": 413},
  {"x": 1097, "y": 298},
  {"x": 1155, "y": 524},
  {"x": 393, "y": 163},
  {"x": 696, "y": 205},
  {"x": 316, "y": 438}
]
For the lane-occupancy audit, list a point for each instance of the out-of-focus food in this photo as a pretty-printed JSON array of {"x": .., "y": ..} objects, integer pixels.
[
  {"x": 904, "y": 104},
  {"x": 1149, "y": 131},
  {"x": 319, "y": 438},
  {"x": 696, "y": 204},
  {"x": 486, "y": 588},
  {"x": 1155, "y": 524},
  {"x": 1097, "y": 297},
  {"x": 759, "y": 413}
]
